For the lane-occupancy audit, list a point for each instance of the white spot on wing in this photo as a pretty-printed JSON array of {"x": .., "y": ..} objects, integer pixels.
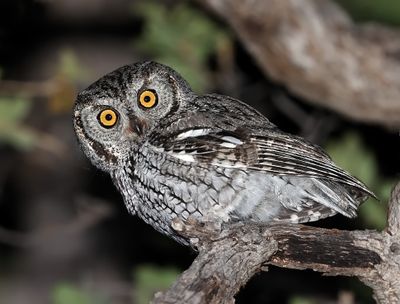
[
  {"x": 232, "y": 140},
  {"x": 184, "y": 157},
  {"x": 317, "y": 214},
  {"x": 158, "y": 149},
  {"x": 193, "y": 133},
  {"x": 227, "y": 145},
  {"x": 294, "y": 218}
]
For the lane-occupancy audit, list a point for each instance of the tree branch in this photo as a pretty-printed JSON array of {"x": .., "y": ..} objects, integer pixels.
[
  {"x": 319, "y": 54},
  {"x": 230, "y": 255}
]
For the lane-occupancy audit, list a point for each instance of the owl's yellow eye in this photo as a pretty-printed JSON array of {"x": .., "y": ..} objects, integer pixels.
[
  {"x": 108, "y": 118},
  {"x": 148, "y": 99}
]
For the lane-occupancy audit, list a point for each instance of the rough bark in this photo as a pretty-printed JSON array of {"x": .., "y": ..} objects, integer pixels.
[
  {"x": 230, "y": 255},
  {"x": 320, "y": 55}
]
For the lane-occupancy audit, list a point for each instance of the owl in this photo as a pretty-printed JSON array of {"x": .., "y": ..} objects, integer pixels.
[{"x": 175, "y": 154}]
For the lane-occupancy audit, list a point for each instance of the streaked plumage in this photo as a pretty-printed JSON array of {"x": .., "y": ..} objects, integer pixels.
[{"x": 172, "y": 153}]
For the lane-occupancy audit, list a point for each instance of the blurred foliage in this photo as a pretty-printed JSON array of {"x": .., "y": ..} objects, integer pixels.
[
  {"x": 70, "y": 66},
  {"x": 69, "y": 72},
  {"x": 150, "y": 279},
  {"x": 60, "y": 92},
  {"x": 386, "y": 11},
  {"x": 301, "y": 300},
  {"x": 182, "y": 37},
  {"x": 66, "y": 293},
  {"x": 352, "y": 155},
  {"x": 13, "y": 110}
]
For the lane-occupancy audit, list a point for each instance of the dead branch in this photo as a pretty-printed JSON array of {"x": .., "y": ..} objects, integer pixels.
[
  {"x": 230, "y": 255},
  {"x": 319, "y": 54},
  {"x": 28, "y": 88}
]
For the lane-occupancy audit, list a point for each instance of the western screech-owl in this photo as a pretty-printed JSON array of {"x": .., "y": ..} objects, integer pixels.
[{"x": 172, "y": 153}]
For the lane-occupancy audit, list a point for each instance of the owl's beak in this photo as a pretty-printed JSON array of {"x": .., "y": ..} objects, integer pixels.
[{"x": 136, "y": 125}]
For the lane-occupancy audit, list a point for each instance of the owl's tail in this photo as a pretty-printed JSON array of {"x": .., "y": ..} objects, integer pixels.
[{"x": 323, "y": 198}]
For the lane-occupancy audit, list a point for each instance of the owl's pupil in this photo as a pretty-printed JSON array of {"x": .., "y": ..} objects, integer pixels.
[
  {"x": 147, "y": 98},
  {"x": 108, "y": 117}
]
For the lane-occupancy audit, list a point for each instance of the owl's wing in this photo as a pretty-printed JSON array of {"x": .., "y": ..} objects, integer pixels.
[{"x": 274, "y": 152}]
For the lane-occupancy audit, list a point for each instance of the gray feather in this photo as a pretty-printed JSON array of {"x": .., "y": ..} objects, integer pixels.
[{"x": 210, "y": 157}]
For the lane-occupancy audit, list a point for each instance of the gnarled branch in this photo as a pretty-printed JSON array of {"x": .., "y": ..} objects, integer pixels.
[
  {"x": 230, "y": 255},
  {"x": 319, "y": 54}
]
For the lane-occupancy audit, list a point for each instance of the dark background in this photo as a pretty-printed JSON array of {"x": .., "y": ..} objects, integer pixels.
[{"x": 65, "y": 236}]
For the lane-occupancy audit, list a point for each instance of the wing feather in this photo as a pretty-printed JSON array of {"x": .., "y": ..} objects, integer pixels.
[{"x": 274, "y": 152}]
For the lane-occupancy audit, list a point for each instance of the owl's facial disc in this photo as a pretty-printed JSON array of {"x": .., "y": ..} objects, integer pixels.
[
  {"x": 102, "y": 133},
  {"x": 116, "y": 113}
]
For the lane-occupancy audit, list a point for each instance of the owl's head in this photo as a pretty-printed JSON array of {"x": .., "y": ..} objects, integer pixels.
[{"x": 118, "y": 111}]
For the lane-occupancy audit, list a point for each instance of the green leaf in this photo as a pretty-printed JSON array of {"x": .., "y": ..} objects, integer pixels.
[
  {"x": 180, "y": 36},
  {"x": 373, "y": 214},
  {"x": 66, "y": 293},
  {"x": 18, "y": 137},
  {"x": 12, "y": 113},
  {"x": 349, "y": 153},
  {"x": 13, "y": 110},
  {"x": 301, "y": 300},
  {"x": 387, "y": 11},
  {"x": 70, "y": 67},
  {"x": 150, "y": 279}
]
